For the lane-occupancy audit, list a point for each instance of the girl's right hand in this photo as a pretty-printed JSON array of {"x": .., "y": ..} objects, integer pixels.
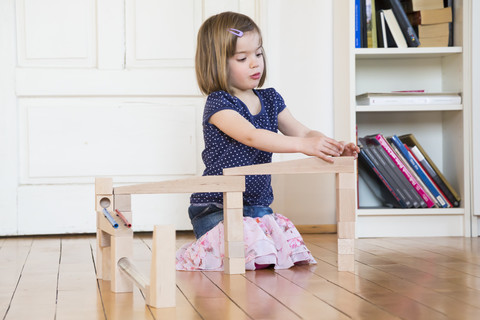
[{"x": 322, "y": 147}]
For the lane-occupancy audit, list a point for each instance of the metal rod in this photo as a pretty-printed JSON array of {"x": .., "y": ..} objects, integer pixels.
[
  {"x": 129, "y": 268},
  {"x": 110, "y": 218},
  {"x": 122, "y": 217}
]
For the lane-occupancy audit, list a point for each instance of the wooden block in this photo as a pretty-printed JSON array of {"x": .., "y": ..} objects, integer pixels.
[
  {"x": 346, "y": 230},
  {"x": 233, "y": 224},
  {"x": 121, "y": 247},
  {"x": 103, "y": 185},
  {"x": 103, "y": 238},
  {"x": 106, "y": 262},
  {"x": 345, "y": 181},
  {"x": 121, "y": 231},
  {"x": 234, "y": 249},
  {"x": 346, "y": 205},
  {"x": 104, "y": 201},
  {"x": 234, "y": 265},
  {"x": 233, "y": 200},
  {"x": 346, "y": 262},
  {"x": 195, "y": 184},
  {"x": 122, "y": 202},
  {"x": 308, "y": 165},
  {"x": 346, "y": 246},
  {"x": 101, "y": 243},
  {"x": 162, "y": 289}
]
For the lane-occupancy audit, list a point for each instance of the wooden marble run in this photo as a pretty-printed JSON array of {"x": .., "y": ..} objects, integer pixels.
[{"x": 115, "y": 236}]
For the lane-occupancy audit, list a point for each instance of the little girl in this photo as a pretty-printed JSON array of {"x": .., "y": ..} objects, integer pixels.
[{"x": 240, "y": 125}]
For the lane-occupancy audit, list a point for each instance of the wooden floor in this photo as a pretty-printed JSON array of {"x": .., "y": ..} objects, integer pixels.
[{"x": 395, "y": 278}]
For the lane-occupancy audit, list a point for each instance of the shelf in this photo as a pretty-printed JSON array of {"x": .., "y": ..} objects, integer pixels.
[
  {"x": 409, "y": 212},
  {"x": 405, "y": 53},
  {"x": 409, "y": 108}
]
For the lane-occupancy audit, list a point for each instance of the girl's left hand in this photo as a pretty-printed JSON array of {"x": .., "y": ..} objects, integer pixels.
[{"x": 350, "y": 150}]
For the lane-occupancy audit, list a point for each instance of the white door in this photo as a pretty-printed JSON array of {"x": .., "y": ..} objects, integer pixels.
[{"x": 98, "y": 88}]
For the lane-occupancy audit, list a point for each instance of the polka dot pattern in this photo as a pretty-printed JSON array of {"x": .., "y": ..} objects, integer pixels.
[{"x": 221, "y": 151}]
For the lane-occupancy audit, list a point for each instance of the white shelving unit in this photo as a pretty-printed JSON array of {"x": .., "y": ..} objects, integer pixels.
[{"x": 444, "y": 131}]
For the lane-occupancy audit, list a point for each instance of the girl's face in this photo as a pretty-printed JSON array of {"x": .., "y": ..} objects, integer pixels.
[{"x": 245, "y": 67}]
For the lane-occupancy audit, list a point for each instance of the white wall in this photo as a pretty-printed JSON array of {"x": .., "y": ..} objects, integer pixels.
[
  {"x": 106, "y": 88},
  {"x": 301, "y": 35}
]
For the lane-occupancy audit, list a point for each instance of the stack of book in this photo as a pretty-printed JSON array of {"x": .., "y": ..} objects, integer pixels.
[
  {"x": 403, "y": 23},
  {"x": 432, "y": 20},
  {"x": 405, "y": 175}
]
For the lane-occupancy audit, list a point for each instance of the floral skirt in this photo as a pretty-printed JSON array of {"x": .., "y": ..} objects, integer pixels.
[{"x": 269, "y": 240}]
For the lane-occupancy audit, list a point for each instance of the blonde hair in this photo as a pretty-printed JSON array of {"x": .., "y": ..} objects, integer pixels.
[{"x": 215, "y": 44}]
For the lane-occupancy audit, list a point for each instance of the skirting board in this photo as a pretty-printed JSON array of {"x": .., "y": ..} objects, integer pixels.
[{"x": 317, "y": 228}]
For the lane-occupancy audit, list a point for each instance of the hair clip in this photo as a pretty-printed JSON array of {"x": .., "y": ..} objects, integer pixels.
[{"x": 236, "y": 32}]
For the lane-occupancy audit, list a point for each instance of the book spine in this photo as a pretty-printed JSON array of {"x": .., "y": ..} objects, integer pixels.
[
  {"x": 402, "y": 19},
  {"x": 358, "y": 36},
  {"x": 434, "y": 176},
  {"x": 398, "y": 177},
  {"x": 373, "y": 168},
  {"x": 404, "y": 201},
  {"x": 450, "y": 205},
  {"x": 413, "y": 164},
  {"x": 405, "y": 171}
]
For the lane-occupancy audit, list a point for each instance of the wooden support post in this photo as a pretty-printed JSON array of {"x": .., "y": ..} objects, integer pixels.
[
  {"x": 345, "y": 185},
  {"x": 161, "y": 291},
  {"x": 234, "y": 259}
]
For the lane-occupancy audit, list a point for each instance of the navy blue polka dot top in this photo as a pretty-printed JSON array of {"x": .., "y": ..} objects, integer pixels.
[{"x": 221, "y": 151}]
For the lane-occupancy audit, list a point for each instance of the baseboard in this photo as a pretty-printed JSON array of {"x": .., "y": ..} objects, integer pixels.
[{"x": 317, "y": 228}]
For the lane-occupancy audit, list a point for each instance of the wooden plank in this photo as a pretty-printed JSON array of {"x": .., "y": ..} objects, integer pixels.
[
  {"x": 308, "y": 165},
  {"x": 35, "y": 295},
  {"x": 250, "y": 298},
  {"x": 78, "y": 295},
  {"x": 188, "y": 185},
  {"x": 13, "y": 255},
  {"x": 300, "y": 301},
  {"x": 341, "y": 299},
  {"x": 205, "y": 297}
]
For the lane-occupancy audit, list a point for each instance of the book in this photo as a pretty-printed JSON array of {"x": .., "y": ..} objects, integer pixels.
[
  {"x": 379, "y": 163},
  {"x": 430, "y": 167},
  {"x": 358, "y": 21},
  {"x": 440, "y": 200},
  {"x": 407, "y": 29},
  {"x": 384, "y": 38},
  {"x": 433, "y": 30},
  {"x": 408, "y": 98},
  {"x": 385, "y": 145},
  {"x": 409, "y": 168},
  {"x": 440, "y": 41},
  {"x": 377, "y": 182},
  {"x": 417, "y": 5},
  {"x": 434, "y": 35},
  {"x": 394, "y": 28},
  {"x": 450, "y": 205},
  {"x": 363, "y": 24},
  {"x": 371, "y": 26},
  {"x": 449, "y": 3},
  {"x": 398, "y": 179},
  {"x": 434, "y": 16}
]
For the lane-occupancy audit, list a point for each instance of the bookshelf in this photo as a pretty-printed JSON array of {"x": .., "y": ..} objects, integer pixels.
[{"x": 443, "y": 130}]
